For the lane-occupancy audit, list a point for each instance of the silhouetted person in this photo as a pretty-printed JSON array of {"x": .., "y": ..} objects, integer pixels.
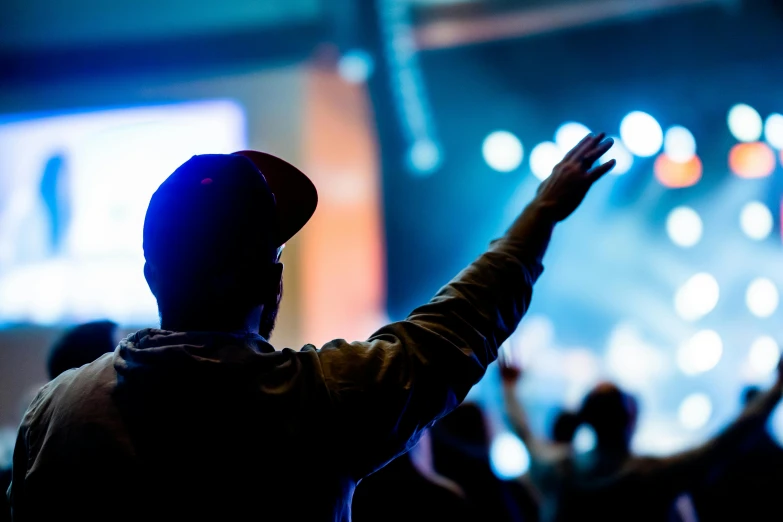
[
  {"x": 55, "y": 193},
  {"x": 564, "y": 427},
  {"x": 204, "y": 420},
  {"x": 409, "y": 489},
  {"x": 461, "y": 451},
  {"x": 609, "y": 483},
  {"x": 749, "y": 487},
  {"x": 81, "y": 345}
]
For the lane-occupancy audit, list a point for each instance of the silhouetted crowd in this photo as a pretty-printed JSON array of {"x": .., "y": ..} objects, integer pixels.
[{"x": 202, "y": 419}]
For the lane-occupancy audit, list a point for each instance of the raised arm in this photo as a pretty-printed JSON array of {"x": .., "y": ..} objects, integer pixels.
[
  {"x": 685, "y": 470},
  {"x": 541, "y": 450},
  {"x": 408, "y": 374}
]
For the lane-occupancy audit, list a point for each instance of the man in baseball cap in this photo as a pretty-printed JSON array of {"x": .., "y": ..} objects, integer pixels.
[{"x": 204, "y": 420}]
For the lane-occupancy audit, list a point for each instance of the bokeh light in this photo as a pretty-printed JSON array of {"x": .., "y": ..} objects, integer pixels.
[
  {"x": 631, "y": 360},
  {"x": 756, "y": 220},
  {"x": 679, "y": 144},
  {"x": 568, "y": 135},
  {"x": 502, "y": 151},
  {"x": 762, "y": 297},
  {"x": 695, "y": 411},
  {"x": 764, "y": 355},
  {"x": 684, "y": 226},
  {"x": 355, "y": 66},
  {"x": 622, "y": 157},
  {"x": 701, "y": 353},
  {"x": 674, "y": 174},
  {"x": 508, "y": 456},
  {"x": 584, "y": 439},
  {"x": 751, "y": 160},
  {"x": 745, "y": 123},
  {"x": 543, "y": 159},
  {"x": 424, "y": 156},
  {"x": 773, "y": 130},
  {"x": 697, "y": 297},
  {"x": 641, "y": 134}
]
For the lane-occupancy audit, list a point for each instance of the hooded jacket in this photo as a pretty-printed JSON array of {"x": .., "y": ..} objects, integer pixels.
[{"x": 220, "y": 426}]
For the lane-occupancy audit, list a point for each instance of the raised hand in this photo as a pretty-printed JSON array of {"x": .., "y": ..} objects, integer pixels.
[
  {"x": 562, "y": 192},
  {"x": 510, "y": 372}
]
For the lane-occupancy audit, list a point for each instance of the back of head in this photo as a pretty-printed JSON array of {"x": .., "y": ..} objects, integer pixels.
[
  {"x": 564, "y": 427},
  {"x": 213, "y": 234},
  {"x": 207, "y": 235},
  {"x": 611, "y": 413},
  {"x": 81, "y": 345}
]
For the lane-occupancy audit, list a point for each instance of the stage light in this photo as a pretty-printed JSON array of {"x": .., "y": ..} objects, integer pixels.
[
  {"x": 673, "y": 174},
  {"x": 764, "y": 355},
  {"x": 695, "y": 411},
  {"x": 502, "y": 151},
  {"x": 684, "y": 227},
  {"x": 424, "y": 156},
  {"x": 355, "y": 66},
  {"x": 679, "y": 144},
  {"x": 543, "y": 159},
  {"x": 701, "y": 353},
  {"x": 508, "y": 456},
  {"x": 745, "y": 123},
  {"x": 756, "y": 220},
  {"x": 762, "y": 297},
  {"x": 641, "y": 134},
  {"x": 751, "y": 160},
  {"x": 623, "y": 159},
  {"x": 569, "y": 134},
  {"x": 697, "y": 297},
  {"x": 773, "y": 130}
]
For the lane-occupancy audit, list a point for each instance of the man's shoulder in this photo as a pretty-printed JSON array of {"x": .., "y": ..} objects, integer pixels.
[{"x": 75, "y": 390}]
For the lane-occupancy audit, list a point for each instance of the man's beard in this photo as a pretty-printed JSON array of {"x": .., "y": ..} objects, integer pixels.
[
  {"x": 266, "y": 323},
  {"x": 268, "y": 319}
]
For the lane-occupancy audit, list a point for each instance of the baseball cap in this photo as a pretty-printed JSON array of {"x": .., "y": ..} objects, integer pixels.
[{"x": 222, "y": 206}]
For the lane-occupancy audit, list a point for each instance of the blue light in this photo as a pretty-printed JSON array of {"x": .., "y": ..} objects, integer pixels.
[
  {"x": 641, "y": 134},
  {"x": 679, "y": 144},
  {"x": 773, "y": 130},
  {"x": 543, "y": 159},
  {"x": 569, "y": 134},
  {"x": 356, "y": 66},
  {"x": 745, "y": 123},
  {"x": 695, "y": 411},
  {"x": 502, "y": 151},
  {"x": 508, "y": 456},
  {"x": 424, "y": 156},
  {"x": 623, "y": 159}
]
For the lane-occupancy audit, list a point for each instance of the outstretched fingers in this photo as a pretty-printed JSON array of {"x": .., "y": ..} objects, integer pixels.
[
  {"x": 583, "y": 146},
  {"x": 600, "y": 170}
]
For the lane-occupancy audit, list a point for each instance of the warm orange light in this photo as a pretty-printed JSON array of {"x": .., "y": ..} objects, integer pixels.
[
  {"x": 673, "y": 174},
  {"x": 752, "y": 160}
]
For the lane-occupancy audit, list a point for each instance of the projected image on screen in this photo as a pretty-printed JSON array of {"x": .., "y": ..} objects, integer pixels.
[{"x": 73, "y": 192}]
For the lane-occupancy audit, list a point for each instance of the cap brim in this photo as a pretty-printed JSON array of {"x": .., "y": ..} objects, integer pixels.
[{"x": 295, "y": 195}]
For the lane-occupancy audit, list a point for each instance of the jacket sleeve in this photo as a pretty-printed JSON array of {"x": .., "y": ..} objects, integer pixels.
[
  {"x": 408, "y": 374},
  {"x": 685, "y": 470}
]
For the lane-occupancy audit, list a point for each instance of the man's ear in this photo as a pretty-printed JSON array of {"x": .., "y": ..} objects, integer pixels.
[{"x": 151, "y": 275}]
